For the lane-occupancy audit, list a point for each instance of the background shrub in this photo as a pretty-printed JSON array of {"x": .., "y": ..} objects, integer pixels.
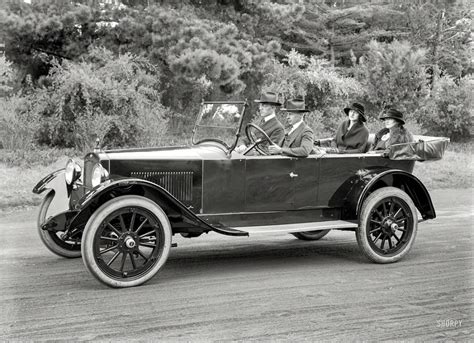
[
  {"x": 448, "y": 112},
  {"x": 113, "y": 98},
  {"x": 18, "y": 124},
  {"x": 6, "y": 76},
  {"x": 393, "y": 75}
]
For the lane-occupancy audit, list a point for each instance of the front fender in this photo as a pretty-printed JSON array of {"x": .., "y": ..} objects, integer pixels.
[
  {"x": 179, "y": 215},
  {"x": 48, "y": 181},
  {"x": 367, "y": 181},
  {"x": 55, "y": 183}
]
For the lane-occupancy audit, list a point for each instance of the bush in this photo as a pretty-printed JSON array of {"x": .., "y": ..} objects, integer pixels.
[
  {"x": 152, "y": 126},
  {"x": 393, "y": 75},
  {"x": 6, "y": 76},
  {"x": 448, "y": 111},
  {"x": 322, "y": 127},
  {"x": 111, "y": 98},
  {"x": 18, "y": 124}
]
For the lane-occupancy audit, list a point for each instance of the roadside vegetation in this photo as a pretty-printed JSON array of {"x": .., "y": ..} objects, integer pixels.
[{"x": 134, "y": 75}]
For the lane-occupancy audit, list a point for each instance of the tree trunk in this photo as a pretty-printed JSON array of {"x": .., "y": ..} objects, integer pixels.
[{"x": 436, "y": 43}]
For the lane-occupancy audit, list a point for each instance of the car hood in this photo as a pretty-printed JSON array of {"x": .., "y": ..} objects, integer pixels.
[{"x": 165, "y": 153}]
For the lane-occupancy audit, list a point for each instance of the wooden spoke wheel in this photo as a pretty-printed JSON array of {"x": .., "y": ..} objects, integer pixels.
[
  {"x": 387, "y": 225},
  {"x": 126, "y": 241}
]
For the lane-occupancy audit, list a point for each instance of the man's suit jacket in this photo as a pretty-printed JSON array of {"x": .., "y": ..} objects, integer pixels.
[
  {"x": 273, "y": 128},
  {"x": 299, "y": 143}
]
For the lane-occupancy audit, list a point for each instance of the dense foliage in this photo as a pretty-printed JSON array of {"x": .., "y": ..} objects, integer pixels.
[
  {"x": 83, "y": 69},
  {"x": 449, "y": 111},
  {"x": 393, "y": 75},
  {"x": 114, "y": 99}
]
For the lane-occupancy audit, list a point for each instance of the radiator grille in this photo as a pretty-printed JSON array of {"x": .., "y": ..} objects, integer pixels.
[
  {"x": 90, "y": 161},
  {"x": 179, "y": 184}
]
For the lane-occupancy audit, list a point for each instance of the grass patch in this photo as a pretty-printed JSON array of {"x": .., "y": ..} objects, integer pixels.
[
  {"x": 455, "y": 170},
  {"x": 20, "y": 171}
]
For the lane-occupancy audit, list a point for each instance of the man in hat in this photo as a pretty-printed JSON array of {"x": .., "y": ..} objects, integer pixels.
[
  {"x": 299, "y": 140},
  {"x": 268, "y": 122}
]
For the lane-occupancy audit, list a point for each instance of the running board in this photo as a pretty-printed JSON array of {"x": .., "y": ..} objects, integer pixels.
[{"x": 300, "y": 227}]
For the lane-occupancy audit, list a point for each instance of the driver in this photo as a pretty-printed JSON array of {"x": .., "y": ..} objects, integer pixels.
[
  {"x": 268, "y": 122},
  {"x": 299, "y": 140}
]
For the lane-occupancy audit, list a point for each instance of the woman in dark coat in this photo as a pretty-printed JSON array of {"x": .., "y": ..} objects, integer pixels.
[
  {"x": 393, "y": 133},
  {"x": 352, "y": 135}
]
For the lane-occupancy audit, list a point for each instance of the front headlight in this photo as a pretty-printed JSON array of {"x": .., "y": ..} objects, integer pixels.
[
  {"x": 73, "y": 172},
  {"x": 99, "y": 174}
]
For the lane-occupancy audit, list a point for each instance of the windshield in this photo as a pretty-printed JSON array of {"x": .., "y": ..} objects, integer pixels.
[{"x": 219, "y": 121}]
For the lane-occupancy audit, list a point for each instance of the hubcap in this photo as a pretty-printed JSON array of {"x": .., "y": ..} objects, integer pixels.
[
  {"x": 390, "y": 226},
  {"x": 130, "y": 242}
]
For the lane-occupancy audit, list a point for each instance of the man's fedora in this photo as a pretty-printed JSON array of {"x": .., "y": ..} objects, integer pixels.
[
  {"x": 269, "y": 98},
  {"x": 358, "y": 108},
  {"x": 394, "y": 114},
  {"x": 295, "y": 105}
]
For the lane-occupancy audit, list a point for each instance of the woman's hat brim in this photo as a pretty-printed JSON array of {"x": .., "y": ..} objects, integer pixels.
[
  {"x": 362, "y": 115},
  {"x": 392, "y": 117}
]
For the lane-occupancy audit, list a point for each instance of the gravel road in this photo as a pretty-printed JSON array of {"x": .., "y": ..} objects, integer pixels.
[{"x": 263, "y": 288}]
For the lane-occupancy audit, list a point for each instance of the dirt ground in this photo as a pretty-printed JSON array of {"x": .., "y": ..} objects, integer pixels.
[{"x": 263, "y": 288}]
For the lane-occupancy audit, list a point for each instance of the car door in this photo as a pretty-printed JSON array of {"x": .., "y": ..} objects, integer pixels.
[
  {"x": 305, "y": 179},
  {"x": 268, "y": 183}
]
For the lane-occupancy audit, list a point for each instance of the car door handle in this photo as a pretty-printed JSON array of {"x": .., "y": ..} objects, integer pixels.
[{"x": 293, "y": 175}]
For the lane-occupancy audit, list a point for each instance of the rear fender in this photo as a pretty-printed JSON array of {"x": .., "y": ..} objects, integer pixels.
[
  {"x": 181, "y": 218},
  {"x": 367, "y": 181}
]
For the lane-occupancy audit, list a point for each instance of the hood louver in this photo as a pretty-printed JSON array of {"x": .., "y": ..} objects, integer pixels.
[{"x": 179, "y": 184}]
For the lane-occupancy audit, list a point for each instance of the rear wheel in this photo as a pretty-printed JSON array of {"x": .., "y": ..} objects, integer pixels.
[
  {"x": 126, "y": 241},
  {"x": 311, "y": 235},
  {"x": 388, "y": 224},
  {"x": 56, "y": 242}
]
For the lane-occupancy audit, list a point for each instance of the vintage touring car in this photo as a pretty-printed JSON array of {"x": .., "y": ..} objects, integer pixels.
[{"x": 120, "y": 211}]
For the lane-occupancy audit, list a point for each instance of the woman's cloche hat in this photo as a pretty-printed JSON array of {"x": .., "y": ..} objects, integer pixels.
[
  {"x": 394, "y": 114},
  {"x": 358, "y": 108}
]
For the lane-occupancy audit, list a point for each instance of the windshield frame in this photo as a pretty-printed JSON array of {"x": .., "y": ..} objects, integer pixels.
[{"x": 238, "y": 128}]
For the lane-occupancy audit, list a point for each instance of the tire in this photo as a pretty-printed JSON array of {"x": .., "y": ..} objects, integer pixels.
[
  {"x": 311, "y": 235},
  {"x": 53, "y": 240},
  {"x": 126, "y": 241},
  {"x": 389, "y": 216}
]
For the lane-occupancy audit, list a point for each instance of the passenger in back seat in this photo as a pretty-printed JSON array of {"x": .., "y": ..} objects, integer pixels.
[
  {"x": 393, "y": 133},
  {"x": 352, "y": 135}
]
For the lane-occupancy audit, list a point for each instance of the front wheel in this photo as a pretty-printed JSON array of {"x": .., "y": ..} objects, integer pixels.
[
  {"x": 126, "y": 241},
  {"x": 388, "y": 224},
  {"x": 56, "y": 242},
  {"x": 311, "y": 235}
]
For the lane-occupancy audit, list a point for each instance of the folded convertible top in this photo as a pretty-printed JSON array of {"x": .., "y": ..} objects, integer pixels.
[{"x": 425, "y": 148}]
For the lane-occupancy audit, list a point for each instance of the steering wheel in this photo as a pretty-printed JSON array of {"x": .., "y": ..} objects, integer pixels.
[{"x": 256, "y": 142}]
